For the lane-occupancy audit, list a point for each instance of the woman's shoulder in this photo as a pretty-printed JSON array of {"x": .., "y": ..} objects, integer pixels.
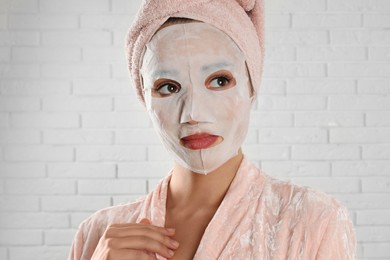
[{"x": 300, "y": 200}]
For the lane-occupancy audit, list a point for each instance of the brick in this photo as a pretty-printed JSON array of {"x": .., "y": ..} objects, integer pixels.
[
  {"x": 331, "y": 53},
  {"x": 59, "y": 237},
  {"x": 103, "y": 54},
  {"x": 366, "y": 69},
  {"x": 115, "y": 120},
  {"x": 22, "y": 170},
  {"x": 19, "y": 136},
  {"x": 59, "y": 70},
  {"x": 19, "y": 203},
  {"x": 127, "y": 7},
  {"x": 39, "y": 252},
  {"x": 294, "y": 69},
  {"x": 72, "y": 103},
  {"x": 3, "y": 21},
  {"x": 71, "y": 136},
  {"x": 19, "y": 71},
  {"x": 119, "y": 70},
  {"x": 137, "y": 136},
  {"x": 251, "y": 136},
  {"x": 20, "y": 237},
  {"x": 39, "y": 220},
  {"x": 19, "y": 38},
  {"x": 19, "y": 104},
  {"x": 4, "y": 119},
  {"x": 110, "y": 153},
  {"x": 377, "y": 184},
  {"x": 143, "y": 169},
  {"x": 3, "y": 253},
  {"x": 280, "y": 53},
  {"x": 296, "y": 6},
  {"x": 277, "y": 20},
  {"x": 360, "y": 135},
  {"x": 158, "y": 153},
  {"x": 111, "y": 187},
  {"x": 326, "y": 20},
  {"x": 103, "y": 87},
  {"x": 45, "y": 54},
  {"x": 378, "y": 118},
  {"x": 74, "y": 203},
  {"x": 19, "y": 6},
  {"x": 379, "y": 53},
  {"x": 376, "y": 250},
  {"x": 329, "y": 184},
  {"x": 119, "y": 37},
  {"x": 296, "y": 37},
  {"x": 376, "y": 151},
  {"x": 46, "y": 120},
  {"x": 43, "y": 186},
  {"x": 366, "y": 201},
  {"x": 129, "y": 103},
  {"x": 106, "y": 21},
  {"x": 361, "y": 168},
  {"x": 81, "y": 170},
  {"x": 34, "y": 87},
  {"x": 373, "y": 217},
  {"x": 272, "y": 86},
  {"x": 376, "y": 20},
  {"x": 38, "y": 153},
  {"x": 289, "y": 103},
  {"x": 292, "y": 135},
  {"x": 351, "y": 102},
  {"x": 325, "y": 152},
  {"x": 374, "y": 86},
  {"x": 359, "y": 6},
  {"x": 42, "y": 21},
  {"x": 266, "y": 152},
  {"x": 76, "y": 38},
  {"x": 77, "y": 218},
  {"x": 373, "y": 233},
  {"x": 320, "y": 86},
  {"x": 74, "y": 6},
  {"x": 5, "y": 54},
  {"x": 295, "y": 168},
  {"x": 360, "y": 37}
]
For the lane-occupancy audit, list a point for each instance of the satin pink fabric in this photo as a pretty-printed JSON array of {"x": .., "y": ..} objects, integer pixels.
[{"x": 259, "y": 218}]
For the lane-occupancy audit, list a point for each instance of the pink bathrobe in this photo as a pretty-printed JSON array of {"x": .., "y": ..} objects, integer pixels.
[{"x": 259, "y": 218}]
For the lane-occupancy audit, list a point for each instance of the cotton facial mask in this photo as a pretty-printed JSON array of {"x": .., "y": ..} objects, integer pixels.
[{"x": 197, "y": 93}]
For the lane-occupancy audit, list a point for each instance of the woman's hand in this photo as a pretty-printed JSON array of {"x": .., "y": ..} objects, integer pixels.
[{"x": 135, "y": 241}]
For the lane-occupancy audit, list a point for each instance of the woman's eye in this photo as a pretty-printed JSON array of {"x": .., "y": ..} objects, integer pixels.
[
  {"x": 219, "y": 82},
  {"x": 167, "y": 89}
]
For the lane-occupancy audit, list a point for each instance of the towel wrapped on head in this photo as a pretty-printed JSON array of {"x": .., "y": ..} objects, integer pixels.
[{"x": 242, "y": 20}]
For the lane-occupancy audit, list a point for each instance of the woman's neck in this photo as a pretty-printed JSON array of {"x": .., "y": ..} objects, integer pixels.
[{"x": 188, "y": 189}]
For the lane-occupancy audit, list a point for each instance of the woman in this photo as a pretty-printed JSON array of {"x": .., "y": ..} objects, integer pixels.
[{"x": 198, "y": 78}]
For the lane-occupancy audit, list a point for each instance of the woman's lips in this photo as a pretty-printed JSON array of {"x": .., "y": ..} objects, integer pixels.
[{"x": 199, "y": 141}]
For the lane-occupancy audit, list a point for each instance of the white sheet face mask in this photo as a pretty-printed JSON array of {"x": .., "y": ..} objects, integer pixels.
[{"x": 197, "y": 93}]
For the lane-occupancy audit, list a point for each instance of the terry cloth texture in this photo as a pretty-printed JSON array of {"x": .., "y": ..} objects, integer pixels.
[{"x": 242, "y": 20}]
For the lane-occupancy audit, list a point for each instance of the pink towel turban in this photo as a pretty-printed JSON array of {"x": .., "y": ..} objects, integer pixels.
[{"x": 242, "y": 20}]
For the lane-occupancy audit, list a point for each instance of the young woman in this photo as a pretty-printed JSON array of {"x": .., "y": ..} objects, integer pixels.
[{"x": 198, "y": 78}]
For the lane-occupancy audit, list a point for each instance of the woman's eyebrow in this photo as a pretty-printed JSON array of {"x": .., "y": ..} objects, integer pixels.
[
  {"x": 164, "y": 73},
  {"x": 216, "y": 66}
]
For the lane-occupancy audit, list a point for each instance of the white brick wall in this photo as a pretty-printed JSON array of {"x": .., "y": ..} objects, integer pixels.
[{"x": 74, "y": 139}]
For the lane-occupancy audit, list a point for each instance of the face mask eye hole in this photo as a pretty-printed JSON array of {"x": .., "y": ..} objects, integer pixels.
[
  {"x": 166, "y": 89},
  {"x": 220, "y": 81}
]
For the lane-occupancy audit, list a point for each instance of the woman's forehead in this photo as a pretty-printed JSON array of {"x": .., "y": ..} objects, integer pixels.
[{"x": 192, "y": 41}]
